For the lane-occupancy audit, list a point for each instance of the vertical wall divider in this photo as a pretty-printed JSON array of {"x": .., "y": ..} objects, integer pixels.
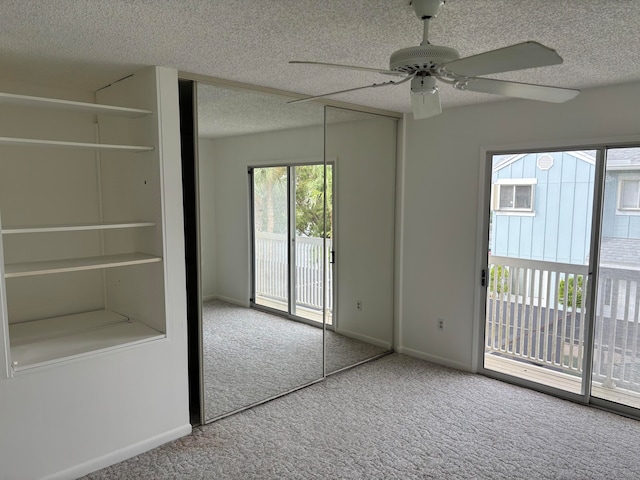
[
  {"x": 4, "y": 316},
  {"x": 101, "y": 233}
]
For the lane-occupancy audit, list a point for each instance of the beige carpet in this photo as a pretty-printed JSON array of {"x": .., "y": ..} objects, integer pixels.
[
  {"x": 250, "y": 356},
  {"x": 401, "y": 418}
]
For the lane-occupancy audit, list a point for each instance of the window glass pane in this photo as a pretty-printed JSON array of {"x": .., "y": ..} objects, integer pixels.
[
  {"x": 506, "y": 196},
  {"x": 523, "y": 196},
  {"x": 629, "y": 194}
]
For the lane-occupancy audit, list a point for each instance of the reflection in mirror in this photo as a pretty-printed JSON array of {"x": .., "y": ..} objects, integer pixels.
[
  {"x": 251, "y": 355},
  {"x": 361, "y": 157}
]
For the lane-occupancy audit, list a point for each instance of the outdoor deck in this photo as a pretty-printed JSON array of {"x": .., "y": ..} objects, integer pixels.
[
  {"x": 535, "y": 326},
  {"x": 559, "y": 380}
]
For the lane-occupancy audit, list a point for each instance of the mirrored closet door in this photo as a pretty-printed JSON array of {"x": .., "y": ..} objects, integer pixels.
[
  {"x": 294, "y": 219},
  {"x": 251, "y": 355},
  {"x": 360, "y": 153}
]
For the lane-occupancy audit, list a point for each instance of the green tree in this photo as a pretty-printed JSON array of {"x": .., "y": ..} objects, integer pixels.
[
  {"x": 499, "y": 280},
  {"x": 570, "y": 291},
  {"x": 310, "y": 200},
  {"x": 270, "y": 199}
]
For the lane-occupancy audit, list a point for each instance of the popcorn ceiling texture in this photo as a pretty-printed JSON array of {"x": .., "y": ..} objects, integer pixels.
[
  {"x": 89, "y": 43},
  {"x": 225, "y": 112}
]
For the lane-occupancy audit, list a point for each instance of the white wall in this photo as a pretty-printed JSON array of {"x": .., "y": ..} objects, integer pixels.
[
  {"x": 206, "y": 176},
  {"x": 440, "y": 199},
  {"x": 365, "y": 176},
  {"x": 233, "y": 155},
  {"x": 67, "y": 419}
]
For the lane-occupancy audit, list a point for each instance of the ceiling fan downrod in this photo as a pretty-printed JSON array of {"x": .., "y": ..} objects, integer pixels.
[{"x": 425, "y": 11}]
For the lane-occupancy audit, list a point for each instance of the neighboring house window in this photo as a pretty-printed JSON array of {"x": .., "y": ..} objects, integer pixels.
[
  {"x": 629, "y": 194},
  {"x": 514, "y": 195}
]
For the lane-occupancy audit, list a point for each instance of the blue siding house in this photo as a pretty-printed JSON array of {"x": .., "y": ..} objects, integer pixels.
[
  {"x": 549, "y": 217},
  {"x": 542, "y": 207}
]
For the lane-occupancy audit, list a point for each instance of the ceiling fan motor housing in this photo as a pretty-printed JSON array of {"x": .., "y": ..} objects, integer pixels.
[
  {"x": 427, "y": 8},
  {"x": 421, "y": 58}
]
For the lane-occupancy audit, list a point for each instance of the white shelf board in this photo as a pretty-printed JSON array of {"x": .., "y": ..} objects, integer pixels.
[
  {"x": 13, "y": 270},
  {"x": 29, "y": 101},
  {"x": 74, "y": 227},
  {"x": 32, "y": 142},
  {"x": 47, "y": 341}
]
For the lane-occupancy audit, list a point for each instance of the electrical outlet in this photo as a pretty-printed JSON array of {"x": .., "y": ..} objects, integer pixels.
[
  {"x": 441, "y": 324},
  {"x": 359, "y": 305}
]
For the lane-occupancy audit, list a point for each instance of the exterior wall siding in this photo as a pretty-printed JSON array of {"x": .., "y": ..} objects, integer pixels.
[{"x": 563, "y": 201}]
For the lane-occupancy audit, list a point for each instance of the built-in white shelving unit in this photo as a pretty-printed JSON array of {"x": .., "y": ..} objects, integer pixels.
[
  {"x": 26, "y": 269},
  {"x": 32, "y": 142},
  {"x": 42, "y": 342},
  {"x": 122, "y": 180},
  {"x": 74, "y": 227},
  {"x": 69, "y": 105}
]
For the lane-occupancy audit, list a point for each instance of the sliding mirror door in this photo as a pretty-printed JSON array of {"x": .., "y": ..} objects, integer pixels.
[
  {"x": 360, "y": 151},
  {"x": 252, "y": 355}
]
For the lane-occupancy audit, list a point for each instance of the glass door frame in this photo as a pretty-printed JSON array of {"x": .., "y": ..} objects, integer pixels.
[
  {"x": 291, "y": 240},
  {"x": 484, "y": 215}
]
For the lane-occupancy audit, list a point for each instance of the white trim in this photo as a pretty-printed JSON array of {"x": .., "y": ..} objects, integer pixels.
[
  {"x": 401, "y": 136},
  {"x": 583, "y": 156},
  {"x": 508, "y": 161},
  {"x": 514, "y": 158},
  {"x": 566, "y": 146},
  {"x": 514, "y": 212},
  {"x": 629, "y": 177},
  {"x": 516, "y": 181},
  {"x": 435, "y": 359},
  {"x": 117, "y": 456},
  {"x": 624, "y": 168},
  {"x": 209, "y": 80},
  {"x": 365, "y": 338},
  {"x": 234, "y": 301}
]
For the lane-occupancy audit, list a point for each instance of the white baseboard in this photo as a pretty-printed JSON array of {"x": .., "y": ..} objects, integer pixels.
[
  {"x": 435, "y": 359},
  {"x": 365, "y": 338},
  {"x": 226, "y": 299},
  {"x": 234, "y": 301},
  {"x": 120, "y": 455}
]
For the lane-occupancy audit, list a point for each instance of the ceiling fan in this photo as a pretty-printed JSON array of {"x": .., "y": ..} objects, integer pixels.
[{"x": 426, "y": 63}]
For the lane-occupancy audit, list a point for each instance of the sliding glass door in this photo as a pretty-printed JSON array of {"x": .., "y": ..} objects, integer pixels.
[
  {"x": 562, "y": 279},
  {"x": 271, "y": 237},
  {"x": 290, "y": 246},
  {"x": 616, "y": 345},
  {"x": 538, "y": 263}
]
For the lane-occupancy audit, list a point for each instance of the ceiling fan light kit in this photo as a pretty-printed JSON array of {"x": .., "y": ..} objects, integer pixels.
[{"x": 426, "y": 63}]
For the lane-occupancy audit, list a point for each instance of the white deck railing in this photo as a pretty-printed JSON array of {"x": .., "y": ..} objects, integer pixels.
[
  {"x": 534, "y": 316},
  {"x": 533, "y": 312},
  {"x": 271, "y": 270},
  {"x": 616, "y": 360}
]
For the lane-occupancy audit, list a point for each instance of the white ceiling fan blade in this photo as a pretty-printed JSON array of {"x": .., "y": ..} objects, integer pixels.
[
  {"x": 351, "y": 67},
  {"x": 507, "y": 59},
  {"x": 425, "y": 105},
  {"x": 518, "y": 90},
  {"x": 383, "y": 84}
]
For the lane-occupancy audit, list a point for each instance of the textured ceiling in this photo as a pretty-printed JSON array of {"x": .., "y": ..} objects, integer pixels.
[
  {"x": 90, "y": 43},
  {"x": 225, "y": 112}
]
